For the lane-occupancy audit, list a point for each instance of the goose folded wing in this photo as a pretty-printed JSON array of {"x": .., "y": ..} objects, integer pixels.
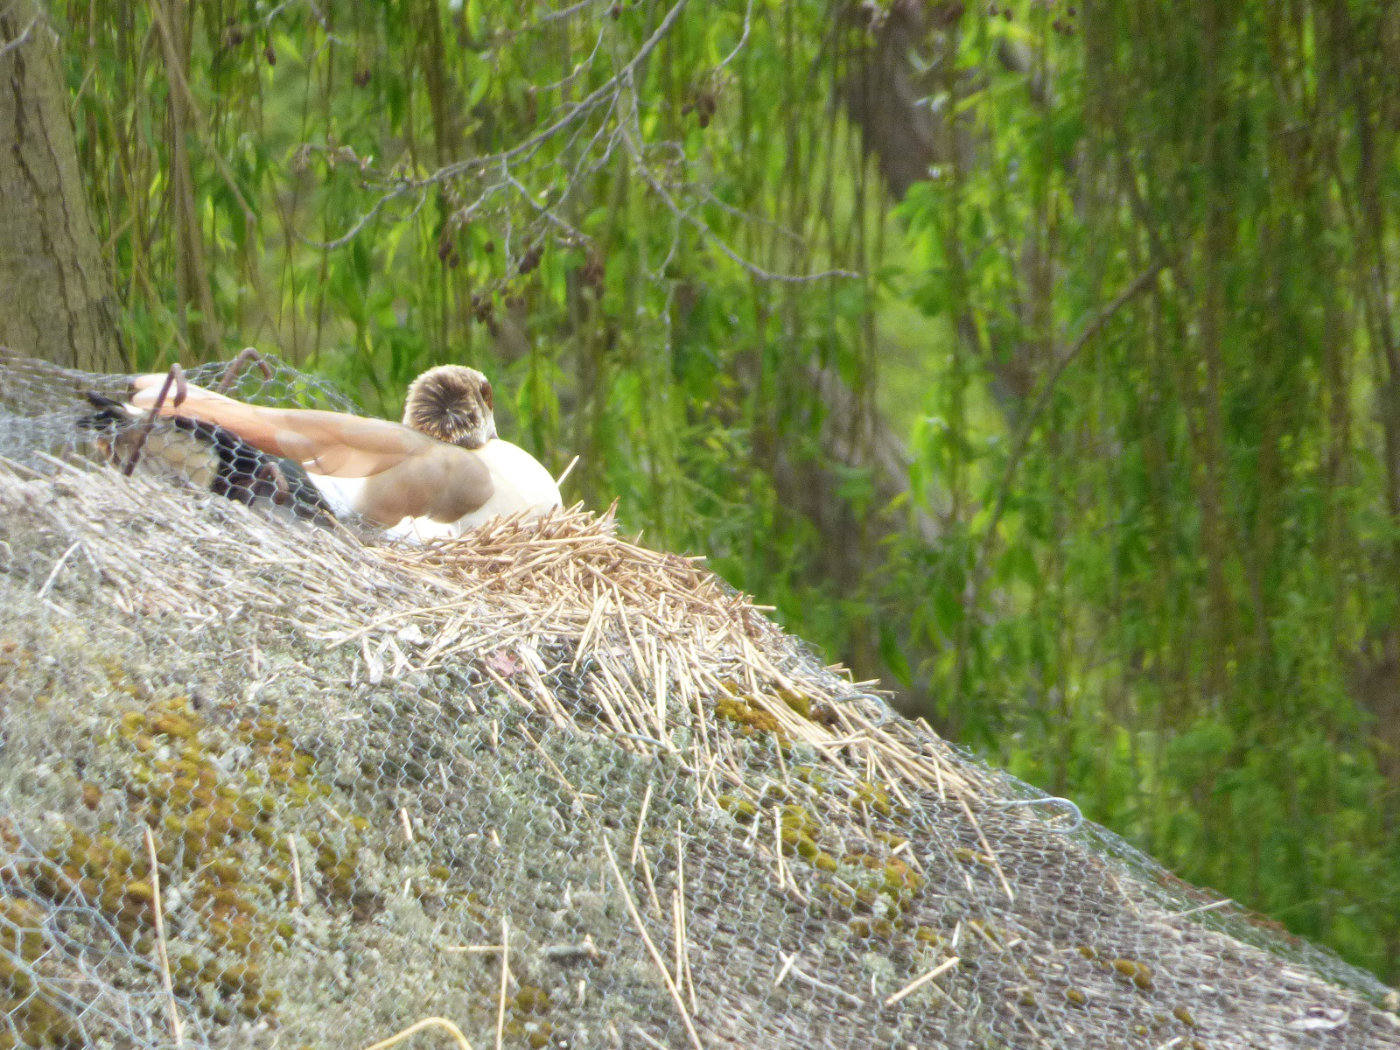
[
  {"x": 407, "y": 474},
  {"x": 336, "y": 444}
]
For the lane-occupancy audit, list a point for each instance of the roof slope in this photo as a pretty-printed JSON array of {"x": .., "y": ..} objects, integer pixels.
[{"x": 549, "y": 785}]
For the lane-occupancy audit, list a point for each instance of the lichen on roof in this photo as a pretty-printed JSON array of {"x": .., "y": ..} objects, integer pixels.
[{"x": 547, "y": 784}]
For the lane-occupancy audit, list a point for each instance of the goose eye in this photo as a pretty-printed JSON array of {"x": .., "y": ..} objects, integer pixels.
[{"x": 486, "y": 394}]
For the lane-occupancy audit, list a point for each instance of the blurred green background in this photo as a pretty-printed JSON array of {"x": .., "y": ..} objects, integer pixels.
[{"x": 1040, "y": 359}]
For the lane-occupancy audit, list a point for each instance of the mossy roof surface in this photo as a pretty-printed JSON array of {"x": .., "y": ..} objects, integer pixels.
[{"x": 548, "y": 785}]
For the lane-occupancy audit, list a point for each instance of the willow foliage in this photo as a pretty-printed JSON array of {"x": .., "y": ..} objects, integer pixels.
[{"x": 1170, "y": 580}]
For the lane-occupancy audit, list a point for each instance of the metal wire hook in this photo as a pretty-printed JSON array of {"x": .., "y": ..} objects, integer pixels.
[
  {"x": 1066, "y": 807},
  {"x": 248, "y": 355},
  {"x": 885, "y": 713},
  {"x": 175, "y": 376}
]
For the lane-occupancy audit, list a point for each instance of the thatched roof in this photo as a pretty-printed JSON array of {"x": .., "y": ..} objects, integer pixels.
[{"x": 549, "y": 785}]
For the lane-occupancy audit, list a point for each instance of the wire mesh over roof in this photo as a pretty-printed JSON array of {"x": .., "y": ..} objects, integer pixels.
[{"x": 268, "y": 783}]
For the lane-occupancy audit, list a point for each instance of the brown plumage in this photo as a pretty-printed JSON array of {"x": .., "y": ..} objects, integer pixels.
[
  {"x": 452, "y": 403},
  {"x": 204, "y": 455}
]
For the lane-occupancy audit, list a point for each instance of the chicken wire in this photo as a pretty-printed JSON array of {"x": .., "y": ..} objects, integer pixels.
[{"x": 539, "y": 787}]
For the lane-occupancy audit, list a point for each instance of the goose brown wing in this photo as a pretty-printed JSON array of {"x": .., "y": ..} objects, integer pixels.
[
  {"x": 443, "y": 482},
  {"x": 333, "y": 443}
]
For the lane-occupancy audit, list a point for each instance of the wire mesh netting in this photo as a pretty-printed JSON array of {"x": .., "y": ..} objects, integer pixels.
[{"x": 269, "y": 782}]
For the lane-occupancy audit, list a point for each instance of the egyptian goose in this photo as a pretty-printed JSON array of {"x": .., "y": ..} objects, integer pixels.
[{"x": 440, "y": 473}]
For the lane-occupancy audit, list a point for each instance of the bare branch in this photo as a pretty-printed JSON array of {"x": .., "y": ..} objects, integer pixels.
[
  {"x": 607, "y": 115},
  {"x": 19, "y": 41},
  {"x": 554, "y": 16},
  {"x": 743, "y": 38},
  {"x": 365, "y": 219},
  {"x": 704, "y": 229},
  {"x": 980, "y": 567},
  {"x": 604, "y": 91}
]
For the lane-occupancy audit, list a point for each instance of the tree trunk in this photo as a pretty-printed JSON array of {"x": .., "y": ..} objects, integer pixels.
[{"x": 56, "y": 298}]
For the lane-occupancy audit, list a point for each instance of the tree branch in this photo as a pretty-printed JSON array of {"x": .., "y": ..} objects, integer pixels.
[{"x": 1023, "y": 440}]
